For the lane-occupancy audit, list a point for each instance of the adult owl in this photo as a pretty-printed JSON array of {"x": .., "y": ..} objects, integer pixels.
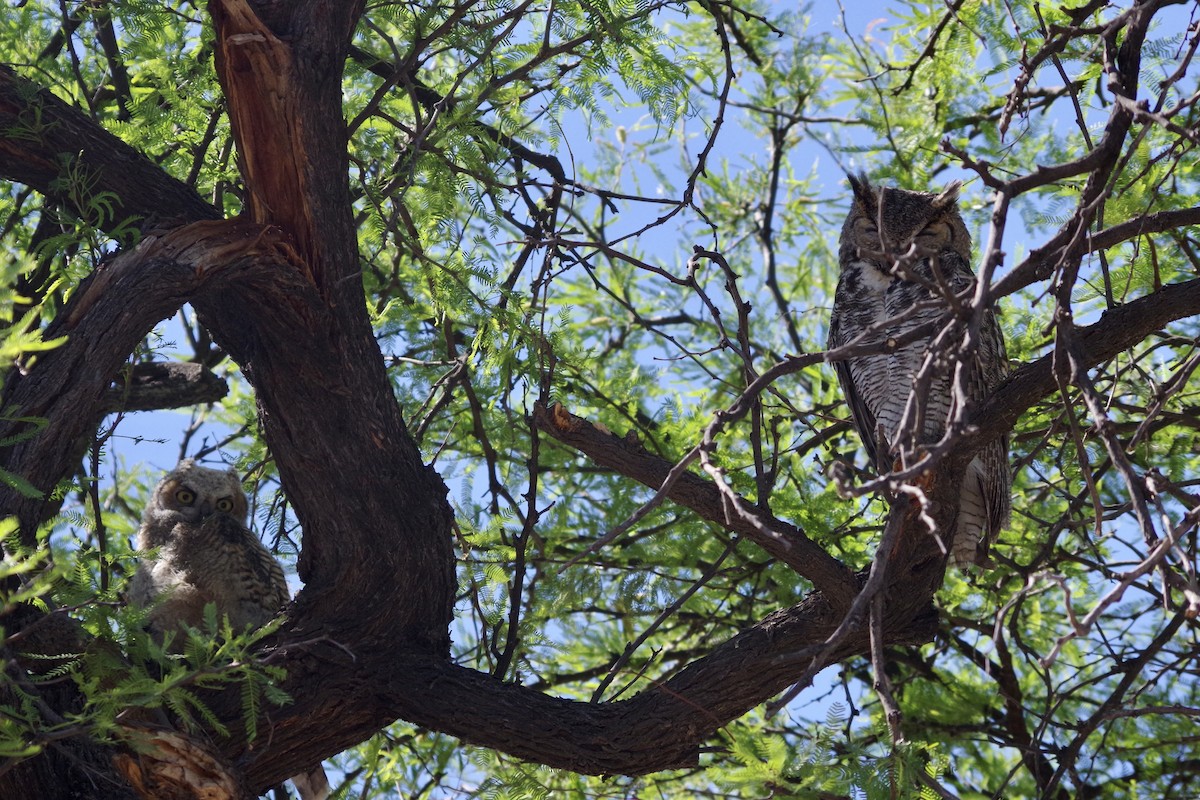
[
  {"x": 900, "y": 253},
  {"x": 196, "y": 549}
]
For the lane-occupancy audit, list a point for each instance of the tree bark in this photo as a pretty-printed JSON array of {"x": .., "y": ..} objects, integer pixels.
[{"x": 45, "y": 139}]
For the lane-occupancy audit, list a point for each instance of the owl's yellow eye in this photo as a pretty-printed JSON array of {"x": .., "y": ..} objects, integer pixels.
[
  {"x": 185, "y": 496},
  {"x": 225, "y": 504}
]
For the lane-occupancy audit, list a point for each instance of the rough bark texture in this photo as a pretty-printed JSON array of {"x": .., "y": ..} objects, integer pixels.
[
  {"x": 366, "y": 640},
  {"x": 154, "y": 385}
]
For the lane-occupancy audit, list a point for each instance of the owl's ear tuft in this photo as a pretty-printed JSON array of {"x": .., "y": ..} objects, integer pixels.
[
  {"x": 864, "y": 192},
  {"x": 949, "y": 195}
]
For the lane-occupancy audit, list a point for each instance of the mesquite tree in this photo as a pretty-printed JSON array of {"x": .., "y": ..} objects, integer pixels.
[{"x": 512, "y": 316}]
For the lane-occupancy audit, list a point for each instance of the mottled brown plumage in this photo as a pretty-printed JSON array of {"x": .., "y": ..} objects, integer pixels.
[
  {"x": 195, "y": 549},
  {"x": 901, "y": 255},
  {"x": 205, "y": 554}
]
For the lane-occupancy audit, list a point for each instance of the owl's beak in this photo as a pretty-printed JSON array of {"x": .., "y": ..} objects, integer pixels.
[{"x": 206, "y": 509}]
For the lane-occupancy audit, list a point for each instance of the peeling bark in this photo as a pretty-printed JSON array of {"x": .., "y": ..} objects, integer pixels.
[{"x": 166, "y": 765}]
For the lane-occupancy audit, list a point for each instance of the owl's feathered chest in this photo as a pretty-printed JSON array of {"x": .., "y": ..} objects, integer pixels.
[
  {"x": 871, "y": 306},
  {"x": 866, "y": 296},
  {"x": 913, "y": 363},
  {"x": 217, "y": 560}
]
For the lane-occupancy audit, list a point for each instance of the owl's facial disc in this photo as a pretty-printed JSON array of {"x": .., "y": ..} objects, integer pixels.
[
  {"x": 932, "y": 238},
  {"x": 188, "y": 502}
]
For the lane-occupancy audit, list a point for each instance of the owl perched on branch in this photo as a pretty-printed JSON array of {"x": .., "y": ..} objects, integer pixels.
[
  {"x": 905, "y": 263},
  {"x": 195, "y": 549},
  {"x": 196, "y": 519}
]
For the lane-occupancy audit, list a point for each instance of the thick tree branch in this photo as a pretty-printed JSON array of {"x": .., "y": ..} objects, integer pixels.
[
  {"x": 1157, "y": 222},
  {"x": 55, "y": 148},
  {"x": 660, "y": 728},
  {"x": 69, "y": 387},
  {"x": 785, "y": 542},
  {"x": 152, "y": 385},
  {"x": 1116, "y": 331}
]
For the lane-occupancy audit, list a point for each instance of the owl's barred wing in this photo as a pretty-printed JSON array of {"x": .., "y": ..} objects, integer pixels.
[
  {"x": 247, "y": 583},
  {"x": 993, "y": 361},
  {"x": 218, "y": 561},
  {"x": 986, "y": 496},
  {"x": 860, "y": 413},
  {"x": 997, "y": 488},
  {"x": 263, "y": 570}
]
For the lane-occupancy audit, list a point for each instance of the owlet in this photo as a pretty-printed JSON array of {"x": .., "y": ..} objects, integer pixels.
[
  {"x": 901, "y": 253},
  {"x": 196, "y": 549}
]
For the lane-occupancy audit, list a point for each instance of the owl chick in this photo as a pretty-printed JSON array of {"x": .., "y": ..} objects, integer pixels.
[
  {"x": 196, "y": 519},
  {"x": 196, "y": 549},
  {"x": 900, "y": 249}
]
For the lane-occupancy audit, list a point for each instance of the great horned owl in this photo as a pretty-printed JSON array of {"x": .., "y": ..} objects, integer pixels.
[
  {"x": 196, "y": 549},
  {"x": 196, "y": 519},
  {"x": 901, "y": 252}
]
